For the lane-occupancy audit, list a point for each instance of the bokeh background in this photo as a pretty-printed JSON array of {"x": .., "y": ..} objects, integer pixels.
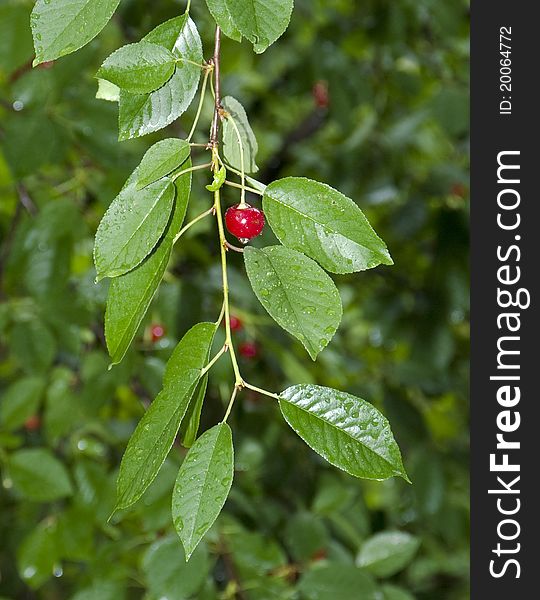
[{"x": 370, "y": 97}]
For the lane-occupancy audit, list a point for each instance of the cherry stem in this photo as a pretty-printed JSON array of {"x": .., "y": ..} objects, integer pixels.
[
  {"x": 261, "y": 390},
  {"x": 235, "y": 391},
  {"x": 191, "y": 223},
  {"x": 214, "y": 360},
  {"x": 231, "y": 247},
  {"x": 245, "y": 187},
  {"x": 201, "y": 103}
]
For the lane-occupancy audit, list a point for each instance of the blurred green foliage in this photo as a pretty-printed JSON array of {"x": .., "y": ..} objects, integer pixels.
[{"x": 394, "y": 136}]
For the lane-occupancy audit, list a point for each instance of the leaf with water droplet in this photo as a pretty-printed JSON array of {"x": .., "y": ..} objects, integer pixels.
[
  {"x": 161, "y": 160},
  {"x": 262, "y": 22},
  {"x": 152, "y": 439},
  {"x": 138, "y": 68},
  {"x": 319, "y": 221},
  {"x": 218, "y": 9},
  {"x": 347, "y": 431},
  {"x": 140, "y": 114},
  {"x": 234, "y": 111},
  {"x": 290, "y": 296},
  {"x": 132, "y": 226},
  {"x": 67, "y": 25},
  {"x": 130, "y": 295},
  {"x": 202, "y": 486}
]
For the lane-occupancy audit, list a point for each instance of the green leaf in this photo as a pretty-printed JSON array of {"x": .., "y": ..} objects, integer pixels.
[
  {"x": 297, "y": 294},
  {"x": 132, "y": 226},
  {"x": 107, "y": 91},
  {"x": 38, "y": 554},
  {"x": 152, "y": 439},
  {"x": 336, "y": 580},
  {"x": 167, "y": 573},
  {"x": 63, "y": 26},
  {"x": 38, "y": 475},
  {"x": 319, "y": 221},
  {"x": 202, "y": 485},
  {"x": 347, "y": 431},
  {"x": 387, "y": 553},
  {"x": 131, "y": 294},
  {"x": 143, "y": 113},
  {"x": 262, "y": 22},
  {"x": 231, "y": 147},
  {"x": 219, "y": 180},
  {"x": 190, "y": 425},
  {"x": 161, "y": 159},
  {"x": 20, "y": 401},
  {"x": 392, "y": 592},
  {"x": 138, "y": 68},
  {"x": 218, "y": 9}
]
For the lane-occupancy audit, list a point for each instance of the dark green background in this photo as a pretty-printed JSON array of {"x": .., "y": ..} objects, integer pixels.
[{"x": 394, "y": 138}]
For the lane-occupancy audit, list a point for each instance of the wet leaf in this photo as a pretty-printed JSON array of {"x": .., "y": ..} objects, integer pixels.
[
  {"x": 38, "y": 475},
  {"x": 202, "y": 485},
  {"x": 218, "y": 9},
  {"x": 132, "y": 226},
  {"x": 190, "y": 424},
  {"x": 336, "y": 580},
  {"x": 297, "y": 294},
  {"x": 107, "y": 91},
  {"x": 347, "y": 431},
  {"x": 152, "y": 439},
  {"x": 131, "y": 294},
  {"x": 20, "y": 401},
  {"x": 167, "y": 573},
  {"x": 262, "y": 22},
  {"x": 231, "y": 146},
  {"x": 387, "y": 553},
  {"x": 319, "y": 221},
  {"x": 162, "y": 159},
  {"x": 63, "y": 26},
  {"x": 38, "y": 554},
  {"x": 143, "y": 113},
  {"x": 138, "y": 68}
]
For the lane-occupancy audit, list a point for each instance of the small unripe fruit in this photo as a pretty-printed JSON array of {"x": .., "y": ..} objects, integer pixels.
[
  {"x": 245, "y": 222},
  {"x": 248, "y": 349},
  {"x": 157, "y": 332}
]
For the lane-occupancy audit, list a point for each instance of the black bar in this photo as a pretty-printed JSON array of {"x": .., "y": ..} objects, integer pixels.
[{"x": 502, "y": 121}]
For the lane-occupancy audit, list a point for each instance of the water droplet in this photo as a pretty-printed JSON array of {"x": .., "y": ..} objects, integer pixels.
[
  {"x": 29, "y": 572},
  {"x": 308, "y": 310}
]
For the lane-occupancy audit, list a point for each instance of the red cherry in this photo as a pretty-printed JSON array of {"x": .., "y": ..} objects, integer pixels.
[
  {"x": 236, "y": 324},
  {"x": 248, "y": 349},
  {"x": 245, "y": 222},
  {"x": 157, "y": 332},
  {"x": 321, "y": 95},
  {"x": 458, "y": 189},
  {"x": 33, "y": 423}
]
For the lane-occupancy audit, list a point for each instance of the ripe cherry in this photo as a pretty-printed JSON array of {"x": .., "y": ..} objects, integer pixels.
[
  {"x": 157, "y": 331},
  {"x": 321, "y": 95},
  {"x": 33, "y": 423},
  {"x": 248, "y": 349},
  {"x": 236, "y": 324},
  {"x": 245, "y": 222}
]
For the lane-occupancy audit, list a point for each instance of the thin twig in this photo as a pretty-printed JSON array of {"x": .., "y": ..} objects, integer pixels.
[
  {"x": 231, "y": 247},
  {"x": 217, "y": 88},
  {"x": 191, "y": 223},
  {"x": 245, "y": 187}
]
